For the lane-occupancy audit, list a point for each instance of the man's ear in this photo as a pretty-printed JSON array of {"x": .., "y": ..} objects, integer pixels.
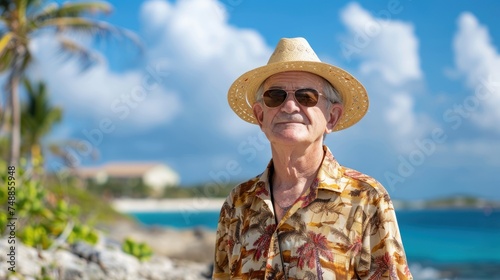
[
  {"x": 335, "y": 112},
  {"x": 258, "y": 112}
]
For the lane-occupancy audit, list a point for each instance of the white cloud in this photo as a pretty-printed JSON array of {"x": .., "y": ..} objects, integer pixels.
[
  {"x": 471, "y": 153},
  {"x": 199, "y": 52},
  {"x": 398, "y": 115},
  {"x": 205, "y": 52},
  {"x": 198, "y": 32},
  {"x": 387, "y": 47},
  {"x": 390, "y": 64},
  {"x": 100, "y": 93},
  {"x": 477, "y": 59}
]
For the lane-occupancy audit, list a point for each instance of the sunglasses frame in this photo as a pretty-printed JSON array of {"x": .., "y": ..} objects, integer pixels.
[{"x": 314, "y": 91}]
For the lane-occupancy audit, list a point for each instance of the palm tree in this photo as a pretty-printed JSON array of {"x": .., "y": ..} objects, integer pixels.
[
  {"x": 264, "y": 240},
  {"x": 384, "y": 264},
  {"x": 316, "y": 245},
  {"x": 37, "y": 119},
  {"x": 20, "y": 22}
]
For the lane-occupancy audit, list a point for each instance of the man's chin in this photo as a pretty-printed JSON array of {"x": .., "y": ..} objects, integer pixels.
[{"x": 289, "y": 137}]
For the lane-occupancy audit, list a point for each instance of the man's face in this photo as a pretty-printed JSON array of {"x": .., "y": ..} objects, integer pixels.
[{"x": 291, "y": 122}]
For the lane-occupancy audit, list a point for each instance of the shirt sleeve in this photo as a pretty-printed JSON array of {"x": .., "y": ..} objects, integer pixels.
[
  {"x": 384, "y": 256},
  {"x": 221, "y": 259}
]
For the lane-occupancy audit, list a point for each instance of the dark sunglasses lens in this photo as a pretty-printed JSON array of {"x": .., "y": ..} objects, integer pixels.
[
  {"x": 274, "y": 97},
  {"x": 307, "y": 97}
]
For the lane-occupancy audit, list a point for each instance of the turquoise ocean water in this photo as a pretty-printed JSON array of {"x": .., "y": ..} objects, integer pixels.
[{"x": 439, "y": 244}]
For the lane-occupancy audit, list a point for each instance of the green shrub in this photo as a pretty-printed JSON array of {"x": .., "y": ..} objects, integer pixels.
[
  {"x": 139, "y": 250},
  {"x": 42, "y": 218}
]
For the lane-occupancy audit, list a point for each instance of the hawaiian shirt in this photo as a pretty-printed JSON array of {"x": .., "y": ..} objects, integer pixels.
[{"x": 343, "y": 227}]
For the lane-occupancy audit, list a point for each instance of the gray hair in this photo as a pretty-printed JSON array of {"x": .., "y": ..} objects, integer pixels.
[{"x": 331, "y": 93}]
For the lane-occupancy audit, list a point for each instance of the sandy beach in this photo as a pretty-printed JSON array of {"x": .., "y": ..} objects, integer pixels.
[{"x": 181, "y": 204}]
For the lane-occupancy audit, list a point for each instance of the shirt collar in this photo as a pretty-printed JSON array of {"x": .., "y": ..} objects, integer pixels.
[
  {"x": 262, "y": 187},
  {"x": 330, "y": 176},
  {"x": 331, "y": 173}
]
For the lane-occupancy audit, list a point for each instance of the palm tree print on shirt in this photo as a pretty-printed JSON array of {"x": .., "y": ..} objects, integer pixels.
[
  {"x": 316, "y": 246},
  {"x": 384, "y": 264},
  {"x": 262, "y": 243}
]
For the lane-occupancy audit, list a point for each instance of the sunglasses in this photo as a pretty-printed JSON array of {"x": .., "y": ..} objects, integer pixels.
[{"x": 305, "y": 96}]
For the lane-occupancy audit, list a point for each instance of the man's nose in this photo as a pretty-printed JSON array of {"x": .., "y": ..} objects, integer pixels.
[{"x": 290, "y": 105}]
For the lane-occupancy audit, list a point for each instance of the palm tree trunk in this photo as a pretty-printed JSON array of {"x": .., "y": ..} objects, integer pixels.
[
  {"x": 15, "y": 137},
  {"x": 13, "y": 89},
  {"x": 319, "y": 271}
]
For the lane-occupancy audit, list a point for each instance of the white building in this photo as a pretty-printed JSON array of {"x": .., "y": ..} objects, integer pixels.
[{"x": 157, "y": 176}]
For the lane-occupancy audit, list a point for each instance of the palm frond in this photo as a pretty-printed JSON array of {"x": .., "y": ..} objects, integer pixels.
[
  {"x": 38, "y": 110},
  {"x": 341, "y": 236},
  {"x": 396, "y": 245},
  {"x": 256, "y": 227},
  {"x": 84, "y": 25},
  {"x": 38, "y": 117},
  {"x": 43, "y": 13},
  {"x": 72, "y": 10},
  {"x": 22, "y": 6},
  {"x": 65, "y": 151},
  {"x": 26, "y": 59},
  {"x": 4, "y": 42},
  {"x": 310, "y": 275},
  {"x": 294, "y": 234},
  {"x": 299, "y": 223},
  {"x": 93, "y": 28},
  {"x": 70, "y": 49},
  {"x": 25, "y": 18},
  {"x": 29, "y": 88},
  {"x": 6, "y": 60}
]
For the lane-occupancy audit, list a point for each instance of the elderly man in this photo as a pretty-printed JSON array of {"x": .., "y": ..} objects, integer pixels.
[{"x": 305, "y": 216}]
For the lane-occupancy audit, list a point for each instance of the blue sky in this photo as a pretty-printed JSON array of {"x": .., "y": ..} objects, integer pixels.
[{"x": 431, "y": 69}]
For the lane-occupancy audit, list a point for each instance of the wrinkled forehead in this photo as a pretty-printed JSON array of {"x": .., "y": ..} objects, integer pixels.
[{"x": 293, "y": 80}]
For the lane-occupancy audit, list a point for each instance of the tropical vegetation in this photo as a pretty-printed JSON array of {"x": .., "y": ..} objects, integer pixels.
[
  {"x": 49, "y": 212},
  {"x": 20, "y": 22},
  {"x": 38, "y": 117}
]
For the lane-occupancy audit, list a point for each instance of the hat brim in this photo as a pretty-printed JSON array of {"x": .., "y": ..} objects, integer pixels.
[{"x": 241, "y": 94}]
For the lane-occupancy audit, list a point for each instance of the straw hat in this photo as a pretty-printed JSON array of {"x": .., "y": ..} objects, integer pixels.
[{"x": 295, "y": 54}]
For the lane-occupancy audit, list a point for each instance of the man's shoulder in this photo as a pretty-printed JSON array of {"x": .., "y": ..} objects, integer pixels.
[
  {"x": 244, "y": 187},
  {"x": 363, "y": 182},
  {"x": 347, "y": 178}
]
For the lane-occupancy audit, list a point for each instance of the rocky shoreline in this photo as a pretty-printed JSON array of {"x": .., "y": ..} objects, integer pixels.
[
  {"x": 177, "y": 255},
  {"x": 191, "y": 245}
]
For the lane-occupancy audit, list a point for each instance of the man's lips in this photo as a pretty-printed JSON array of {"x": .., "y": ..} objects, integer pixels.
[
  {"x": 289, "y": 122},
  {"x": 290, "y": 119}
]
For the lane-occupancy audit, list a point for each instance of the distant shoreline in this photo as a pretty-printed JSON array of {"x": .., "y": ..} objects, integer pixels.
[
  {"x": 199, "y": 204},
  {"x": 125, "y": 205}
]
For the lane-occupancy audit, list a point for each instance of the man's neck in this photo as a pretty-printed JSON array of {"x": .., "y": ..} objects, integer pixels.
[{"x": 295, "y": 168}]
